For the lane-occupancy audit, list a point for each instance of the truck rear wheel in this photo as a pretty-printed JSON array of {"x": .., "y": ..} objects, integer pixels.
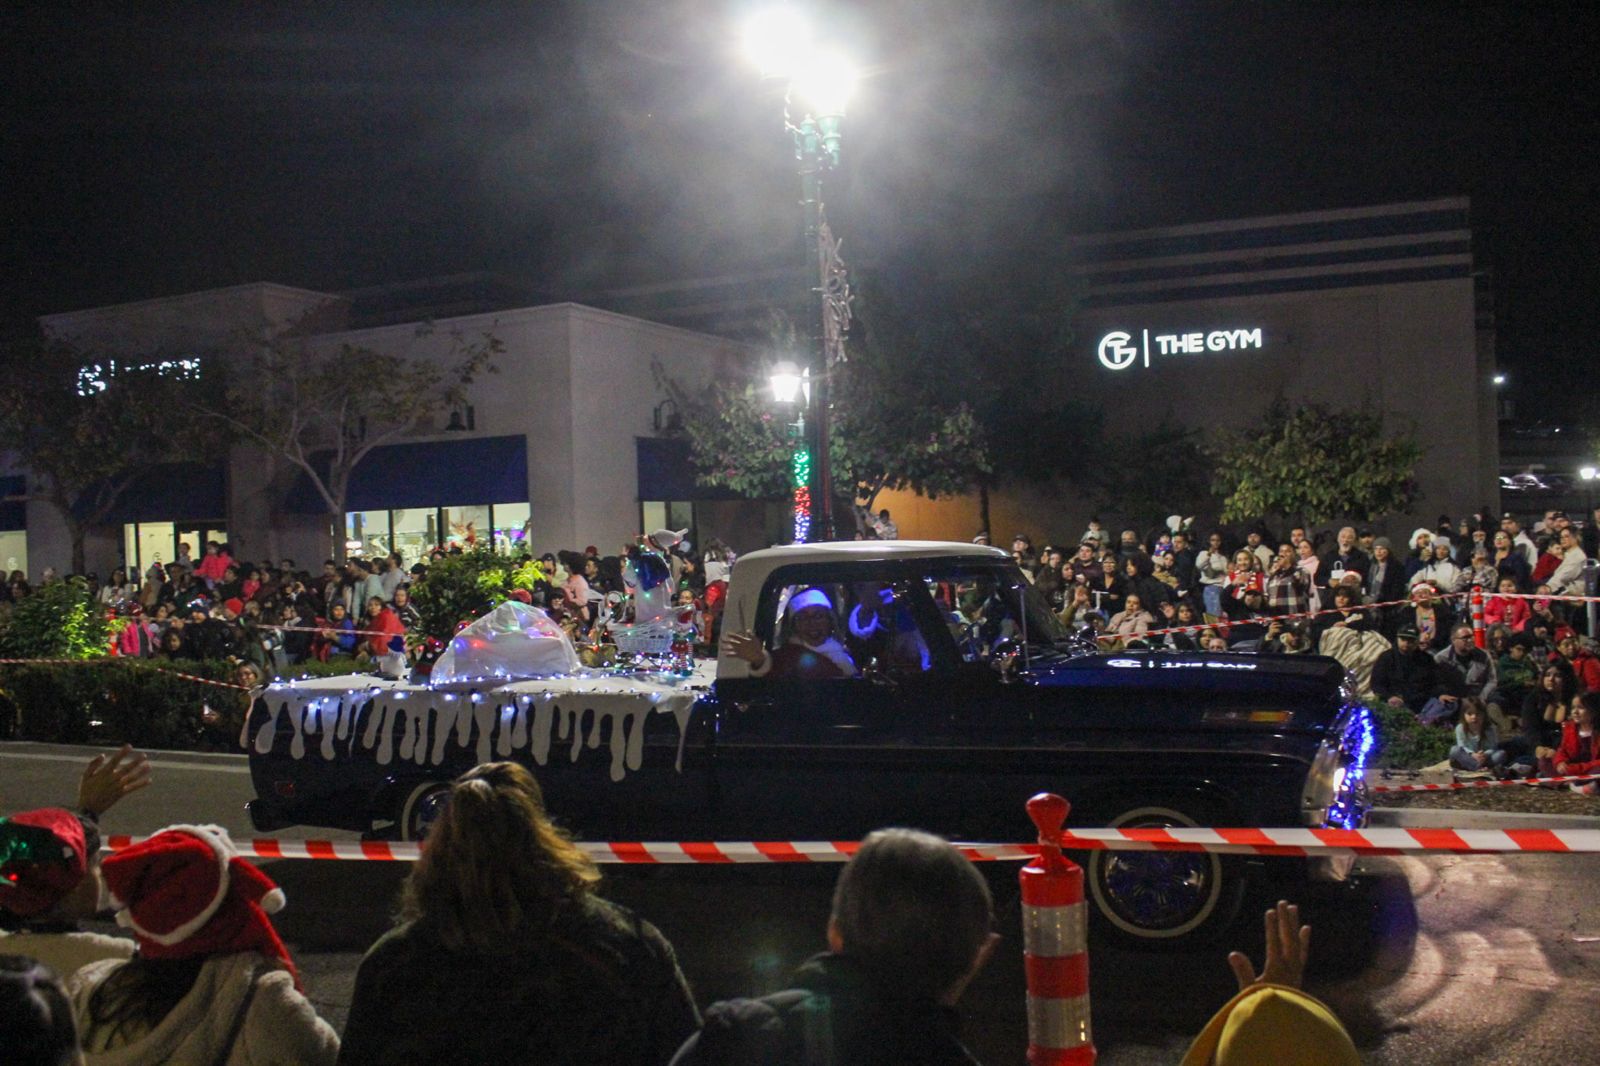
[
  {"x": 1156, "y": 899},
  {"x": 422, "y": 807}
]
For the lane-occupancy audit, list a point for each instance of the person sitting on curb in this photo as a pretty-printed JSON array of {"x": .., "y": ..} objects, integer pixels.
[
  {"x": 1407, "y": 676},
  {"x": 1579, "y": 750},
  {"x": 1272, "y": 1019},
  {"x": 912, "y": 925},
  {"x": 50, "y": 869}
]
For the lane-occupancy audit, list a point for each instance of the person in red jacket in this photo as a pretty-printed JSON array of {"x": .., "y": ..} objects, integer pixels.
[
  {"x": 382, "y": 625},
  {"x": 1585, "y": 665},
  {"x": 1579, "y": 750},
  {"x": 215, "y": 563},
  {"x": 1505, "y": 609}
]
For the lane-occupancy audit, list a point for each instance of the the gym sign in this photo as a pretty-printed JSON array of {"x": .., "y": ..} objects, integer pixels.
[{"x": 1118, "y": 350}]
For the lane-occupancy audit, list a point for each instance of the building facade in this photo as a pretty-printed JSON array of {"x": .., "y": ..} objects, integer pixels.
[
  {"x": 542, "y": 454},
  {"x": 1204, "y": 326}
]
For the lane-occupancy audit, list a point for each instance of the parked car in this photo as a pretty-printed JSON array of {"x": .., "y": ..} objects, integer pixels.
[{"x": 964, "y": 696}]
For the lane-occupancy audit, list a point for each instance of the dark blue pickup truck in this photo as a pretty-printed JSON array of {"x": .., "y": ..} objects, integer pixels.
[{"x": 938, "y": 692}]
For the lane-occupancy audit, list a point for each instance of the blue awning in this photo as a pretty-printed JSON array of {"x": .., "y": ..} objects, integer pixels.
[
  {"x": 441, "y": 473},
  {"x": 666, "y": 473}
]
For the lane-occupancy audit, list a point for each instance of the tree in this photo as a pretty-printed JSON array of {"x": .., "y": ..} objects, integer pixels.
[
  {"x": 85, "y": 425},
  {"x": 993, "y": 343},
  {"x": 1315, "y": 464},
  {"x": 325, "y": 410},
  {"x": 1148, "y": 475},
  {"x": 883, "y": 434}
]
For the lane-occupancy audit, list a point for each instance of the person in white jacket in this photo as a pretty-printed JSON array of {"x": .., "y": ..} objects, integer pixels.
[
  {"x": 1212, "y": 566},
  {"x": 1568, "y": 577},
  {"x": 211, "y": 982}
]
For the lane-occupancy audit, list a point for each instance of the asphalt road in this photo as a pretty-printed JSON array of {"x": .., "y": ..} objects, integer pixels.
[{"x": 1449, "y": 959}]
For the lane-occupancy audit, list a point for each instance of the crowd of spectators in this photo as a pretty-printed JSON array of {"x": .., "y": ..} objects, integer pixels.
[
  {"x": 504, "y": 951},
  {"x": 272, "y": 616}
]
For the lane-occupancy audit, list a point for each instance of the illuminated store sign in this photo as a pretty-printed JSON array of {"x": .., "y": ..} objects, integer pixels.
[{"x": 1118, "y": 350}]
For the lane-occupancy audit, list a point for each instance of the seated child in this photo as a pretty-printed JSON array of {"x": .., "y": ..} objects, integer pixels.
[{"x": 1477, "y": 746}]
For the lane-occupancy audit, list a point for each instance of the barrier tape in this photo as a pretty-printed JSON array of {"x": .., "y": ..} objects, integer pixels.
[
  {"x": 1448, "y": 786},
  {"x": 1537, "y": 596},
  {"x": 1224, "y": 624},
  {"x": 1281, "y": 843},
  {"x": 127, "y": 660}
]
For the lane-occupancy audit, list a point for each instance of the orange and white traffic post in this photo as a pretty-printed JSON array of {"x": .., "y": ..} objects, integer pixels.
[
  {"x": 1480, "y": 636},
  {"x": 1055, "y": 945}
]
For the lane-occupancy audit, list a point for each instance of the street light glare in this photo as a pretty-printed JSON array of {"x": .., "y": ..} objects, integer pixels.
[
  {"x": 778, "y": 41},
  {"x": 1588, "y": 473},
  {"x": 1499, "y": 379},
  {"x": 785, "y": 380},
  {"x": 825, "y": 83}
]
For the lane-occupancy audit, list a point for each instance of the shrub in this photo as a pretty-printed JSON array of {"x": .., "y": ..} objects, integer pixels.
[
  {"x": 60, "y": 620},
  {"x": 1405, "y": 743},
  {"x": 460, "y": 587}
]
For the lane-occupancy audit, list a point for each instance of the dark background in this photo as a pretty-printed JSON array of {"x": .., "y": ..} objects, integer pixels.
[{"x": 151, "y": 149}]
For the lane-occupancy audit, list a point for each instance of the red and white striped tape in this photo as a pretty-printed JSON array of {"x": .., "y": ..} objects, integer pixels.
[
  {"x": 1222, "y": 625},
  {"x": 1055, "y": 946},
  {"x": 1290, "y": 843},
  {"x": 1451, "y": 786}
]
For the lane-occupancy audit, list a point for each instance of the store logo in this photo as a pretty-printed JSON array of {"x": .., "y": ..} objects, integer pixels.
[{"x": 1118, "y": 352}]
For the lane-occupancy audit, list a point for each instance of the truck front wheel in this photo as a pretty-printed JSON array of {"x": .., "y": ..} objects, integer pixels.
[{"x": 1156, "y": 899}]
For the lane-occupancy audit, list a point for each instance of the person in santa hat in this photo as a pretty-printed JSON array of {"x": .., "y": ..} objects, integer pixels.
[
  {"x": 211, "y": 982},
  {"x": 50, "y": 869},
  {"x": 811, "y": 649}
]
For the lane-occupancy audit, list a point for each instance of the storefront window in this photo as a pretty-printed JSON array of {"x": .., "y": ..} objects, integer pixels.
[
  {"x": 14, "y": 551},
  {"x": 367, "y": 533},
  {"x": 511, "y": 527},
  {"x": 155, "y": 544},
  {"x": 466, "y": 525},
  {"x": 416, "y": 531}
]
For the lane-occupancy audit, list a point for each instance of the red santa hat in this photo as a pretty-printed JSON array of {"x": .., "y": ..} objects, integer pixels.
[
  {"x": 43, "y": 856},
  {"x": 186, "y": 892}
]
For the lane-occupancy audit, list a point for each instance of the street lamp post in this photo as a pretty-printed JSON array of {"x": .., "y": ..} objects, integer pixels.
[{"x": 819, "y": 85}]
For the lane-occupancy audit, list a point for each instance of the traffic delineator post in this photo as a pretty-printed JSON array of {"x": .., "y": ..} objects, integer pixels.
[
  {"x": 1055, "y": 945},
  {"x": 1480, "y": 636}
]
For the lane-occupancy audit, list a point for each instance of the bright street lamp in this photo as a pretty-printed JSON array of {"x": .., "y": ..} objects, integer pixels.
[
  {"x": 785, "y": 380},
  {"x": 782, "y": 44},
  {"x": 1588, "y": 473},
  {"x": 1499, "y": 379}
]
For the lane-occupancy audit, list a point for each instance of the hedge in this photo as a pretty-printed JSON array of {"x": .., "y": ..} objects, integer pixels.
[
  {"x": 139, "y": 702},
  {"x": 1404, "y": 743}
]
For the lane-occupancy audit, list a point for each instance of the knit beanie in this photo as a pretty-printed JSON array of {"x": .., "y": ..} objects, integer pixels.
[
  {"x": 186, "y": 892},
  {"x": 1273, "y": 1024},
  {"x": 43, "y": 855}
]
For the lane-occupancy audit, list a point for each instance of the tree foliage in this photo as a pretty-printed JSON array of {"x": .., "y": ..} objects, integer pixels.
[
  {"x": 325, "y": 410},
  {"x": 57, "y": 620},
  {"x": 1145, "y": 476},
  {"x": 950, "y": 387},
  {"x": 464, "y": 585},
  {"x": 1316, "y": 464},
  {"x": 84, "y": 443}
]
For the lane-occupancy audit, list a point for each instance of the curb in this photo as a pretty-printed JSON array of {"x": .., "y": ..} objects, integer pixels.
[{"x": 1456, "y": 818}]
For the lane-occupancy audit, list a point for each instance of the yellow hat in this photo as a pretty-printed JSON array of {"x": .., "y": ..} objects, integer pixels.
[{"x": 1273, "y": 1024}]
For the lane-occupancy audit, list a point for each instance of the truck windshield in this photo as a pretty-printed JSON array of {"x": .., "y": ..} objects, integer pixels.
[{"x": 987, "y": 603}]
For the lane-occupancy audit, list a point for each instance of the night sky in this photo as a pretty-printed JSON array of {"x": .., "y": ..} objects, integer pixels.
[{"x": 151, "y": 149}]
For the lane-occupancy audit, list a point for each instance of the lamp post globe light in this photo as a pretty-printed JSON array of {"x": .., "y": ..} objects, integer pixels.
[{"x": 820, "y": 79}]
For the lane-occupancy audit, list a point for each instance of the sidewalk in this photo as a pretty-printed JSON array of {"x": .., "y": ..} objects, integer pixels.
[{"x": 1540, "y": 804}]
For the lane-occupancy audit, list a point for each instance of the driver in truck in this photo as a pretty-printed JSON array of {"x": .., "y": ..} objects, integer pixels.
[{"x": 812, "y": 651}]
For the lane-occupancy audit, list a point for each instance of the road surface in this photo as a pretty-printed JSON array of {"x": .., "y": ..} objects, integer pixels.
[{"x": 1452, "y": 960}]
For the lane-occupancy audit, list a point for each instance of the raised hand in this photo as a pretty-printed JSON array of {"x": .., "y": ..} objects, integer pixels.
[
  {"x": 108, "y": 778},
  {"x": 1288, "y": 945}
]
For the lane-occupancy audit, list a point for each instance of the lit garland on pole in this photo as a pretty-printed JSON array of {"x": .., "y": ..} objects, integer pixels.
[{"x": 800, "y": 473}]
